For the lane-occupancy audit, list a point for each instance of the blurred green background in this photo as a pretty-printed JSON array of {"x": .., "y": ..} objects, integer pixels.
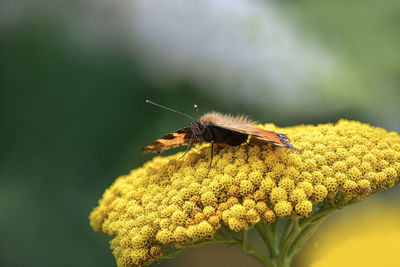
[{"x": 74, "y": 76}]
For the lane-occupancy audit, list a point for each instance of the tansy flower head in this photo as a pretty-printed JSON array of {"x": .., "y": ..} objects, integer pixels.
[{"x": 172, "y": 202}]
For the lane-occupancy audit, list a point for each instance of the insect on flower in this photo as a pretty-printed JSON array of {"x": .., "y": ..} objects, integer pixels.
[{"x": 215, "y": 128}]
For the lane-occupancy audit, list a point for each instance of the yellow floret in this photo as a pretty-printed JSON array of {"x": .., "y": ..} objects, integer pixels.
[
  {"x": 318, "y": 177},
  {"x": 147, "y": 231},
  {"x": 164, "y": 223},
  {"x": 340, "y": 166},
  {"x": 225, "y": 181},
  {"x": 353, "y": 161},
  {"x": 256, "y": 177},
  {"x": 364, "y": 186},
  {"x": 298, "y": 195},
  {"x": 215, "y": 187},
  {"x": 232, "y": 201},
  {"x": 180, "y": 234},
  {"x": 240, "y": 177},
  {"x": 306, "y": 176},
  {"x": 307, "y": 187},
  {"x": 214, "y": 221},
  {"x": 223, "y": 206},
  {"x": 249, "y": 204},
  {"x": 330, "y": 184},
  {"x": 155, "y": 252},
  {"x": 350, "y": 187},
  {"x": 179, "y": 217},
  {"x": 252, "y": 216},
  {"x": 236, "y": 224},
  {"x": 278, "y": 194},
  {"x": 267, "y": 184},
  {"x": 201, "y": 172},
  {"x": 257, "y": 165},
  {"x": 208, "y": 211},
  {"x": 287, "y": 184},
  {"x": 233, "y": 191},
  {"x": 382, "y": 164},
  {"x": 231, "y": 170},
  {"x": 365, "y": 167},
  {"x": 320, "y": 192},
  {"x": 238, "y": 211},
  {"x": 340, "y": 178},
  {"x": 355, "y": 173},
  {"x": 259, "y": 195},
  {"x": 194, "y": 188},
  {"x": 199, "y": 217},
  {"x": 139, "y": 255},
  {"x": 246, "y": 187},
  {"x": 310, "y": 165},
  {"x": 138, "y": 241},
  {"x": 320, "y": 160},
  {"x": 226, "y": 215},
  {"x": 193, "y": 233},
  {"x": 283, "y": 208},
  {"x": 205, "y": 229},
  {"x": 268, "y": 216},
  {"x": 327, "y": 171},
  {"x": 382, "y": 180},
  {"x": 261, "y": 207},
  {"x": 292, "y": 173},
  {"x": 188, "y": 206},
  {"x": 165, "y": 237},
  {"x": 391, "y": 173},
  {"x": 208, "y": 199},
  {"x": 303, "y": 208}
]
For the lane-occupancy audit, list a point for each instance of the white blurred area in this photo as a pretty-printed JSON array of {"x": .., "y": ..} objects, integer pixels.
[{"x": 243, "y": 51}]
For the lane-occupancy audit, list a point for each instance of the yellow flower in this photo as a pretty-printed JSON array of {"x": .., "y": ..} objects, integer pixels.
[{"x": 175, "y": 202}]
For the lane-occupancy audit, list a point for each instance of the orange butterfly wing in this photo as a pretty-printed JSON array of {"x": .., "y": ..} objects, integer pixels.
[
  {"x": 171, "y": 140},
  {"x": 269, "y": 136}
]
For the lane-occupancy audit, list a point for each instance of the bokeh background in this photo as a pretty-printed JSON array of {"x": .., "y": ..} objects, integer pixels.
[{"x": 74, "y": 76}]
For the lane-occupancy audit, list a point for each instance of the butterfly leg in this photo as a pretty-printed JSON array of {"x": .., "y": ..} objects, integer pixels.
[{"x": 188, "y": 146}]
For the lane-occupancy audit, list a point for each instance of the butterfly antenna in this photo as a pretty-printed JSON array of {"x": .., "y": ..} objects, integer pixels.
[
  {"x": 170, "y": 109},
  {"x": 197, "y": 111}
]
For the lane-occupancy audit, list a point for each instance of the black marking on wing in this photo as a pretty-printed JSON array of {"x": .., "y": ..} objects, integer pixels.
[{"x": 178, "y": 138}]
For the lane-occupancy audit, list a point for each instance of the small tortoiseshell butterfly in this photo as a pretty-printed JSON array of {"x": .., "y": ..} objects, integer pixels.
[{"x": 216, "y": 128}]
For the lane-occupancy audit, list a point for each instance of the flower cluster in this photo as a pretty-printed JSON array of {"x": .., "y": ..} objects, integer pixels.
[{"x": 172, "y": 202}]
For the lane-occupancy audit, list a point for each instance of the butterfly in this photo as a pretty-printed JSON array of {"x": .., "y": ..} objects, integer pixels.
[{"x": 214, "y": 128}]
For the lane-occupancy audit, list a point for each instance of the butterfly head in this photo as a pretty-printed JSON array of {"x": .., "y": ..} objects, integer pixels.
[{"x": 198, "y": 127}]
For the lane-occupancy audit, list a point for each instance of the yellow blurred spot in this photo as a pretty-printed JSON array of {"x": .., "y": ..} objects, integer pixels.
[{"x": 368, "y": 239}]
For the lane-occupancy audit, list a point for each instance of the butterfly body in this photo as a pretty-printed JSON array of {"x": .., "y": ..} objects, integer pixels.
[{"x": 217, "y": 128}]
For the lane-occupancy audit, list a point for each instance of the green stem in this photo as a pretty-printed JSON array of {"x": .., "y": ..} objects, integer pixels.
[
  {"x": 318, "y": 215},
  {"x": 275, "y": 227},
  {"x": 291, "y": 237},
  {"x": 301, "y": 238},
  {"x": 306, "y": 232},
  {"x": 260, "y": 257},
  {"x": 272, "y": 234},
  {"x": 288, "y": 227},
  {"x": 263, "y": 231},
  {"x": 244, "y": 238}
]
